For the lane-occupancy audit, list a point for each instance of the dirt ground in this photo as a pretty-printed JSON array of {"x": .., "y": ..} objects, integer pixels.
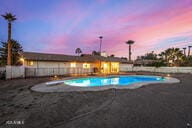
[{"x": 151, "y": 106}]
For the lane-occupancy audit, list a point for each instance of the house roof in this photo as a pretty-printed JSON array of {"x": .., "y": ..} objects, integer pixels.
[
  {"x": 69, "y": 58},
  {"x": 109, "y": 59},
  {"x": 54, "y": 57}
]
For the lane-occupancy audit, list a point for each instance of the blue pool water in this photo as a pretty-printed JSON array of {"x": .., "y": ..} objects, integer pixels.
[{"x": 115, "y": 80}]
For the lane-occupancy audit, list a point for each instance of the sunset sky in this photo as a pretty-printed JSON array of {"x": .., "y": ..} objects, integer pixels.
[{"x": 60, "y": 26}]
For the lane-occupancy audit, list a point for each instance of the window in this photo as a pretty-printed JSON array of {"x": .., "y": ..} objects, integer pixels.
[
  {"x": 30, "y": 63},
  {"x": 114, "y": 67},
  {"x": 73, "y": 65},
  {"x": 105, "y": 65},
  {"x": 86, "y": 65}
]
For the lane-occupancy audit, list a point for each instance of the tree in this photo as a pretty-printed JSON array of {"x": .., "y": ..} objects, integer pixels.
[
  {"x": 157, "y": 64},
  {"x": 124, "y": 58},
  {"x": 184, "y": 51},
  {"x": 78, "y": 51},
  {"x": 16, "y": 48},
  {"x": 187, "y": 61},
  {"x": 150, "y": 56},
  {"x": 94, "y": 53},
  {"x": 169, "y": 57},
  {"x": 172, "y": 56},
  {"x": 162, "y": 56},
  {"x": 130, "y": 42},
  {"x": 189, "y": 49},
  {"x": 10, "y": 18},
  {"x": 112, "y": 55}
]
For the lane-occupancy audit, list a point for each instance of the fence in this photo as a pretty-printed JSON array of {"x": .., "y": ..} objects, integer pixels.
[
  {"x": 159, "y": 69},
  {"x": 21, "y": 71},
  {"x": 15, "y": 72},
  {"x": 2, "y": 72},
  {"x": 2, "y": 69},
  {"x": 125, "y": 67},
  {"x": 34, "y": 72}
]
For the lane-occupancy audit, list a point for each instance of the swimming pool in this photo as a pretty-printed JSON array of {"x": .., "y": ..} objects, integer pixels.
[
  {"x": 114, "y": 80},
  {"x": 70, "y": 84}
]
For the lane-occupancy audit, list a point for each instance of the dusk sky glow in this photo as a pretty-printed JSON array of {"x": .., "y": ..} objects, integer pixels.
[{"x": 61, "y": 26}]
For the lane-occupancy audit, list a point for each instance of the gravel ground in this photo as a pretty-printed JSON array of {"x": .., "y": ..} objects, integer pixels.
[{"x": 151, "y": 106}]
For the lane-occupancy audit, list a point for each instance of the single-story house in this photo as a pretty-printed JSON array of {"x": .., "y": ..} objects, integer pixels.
[{"x": 59, "y": 61}]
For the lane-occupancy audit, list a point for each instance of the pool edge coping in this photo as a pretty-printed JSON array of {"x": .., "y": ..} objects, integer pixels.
[{"x": 56, "y": 87}]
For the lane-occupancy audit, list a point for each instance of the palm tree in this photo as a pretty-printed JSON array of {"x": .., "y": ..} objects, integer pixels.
[
  {"x": 16, "y": 49},
  {"x": 78, "y": 51},
  {"x": 184, "y": 51},
  {"x": 163, "y": 56},
  {"x": 10, "y": 18},
  {"x": 130, "y": 42},
  {"x": 189, "y": 50},
  {"x": 173, "y": 56}
]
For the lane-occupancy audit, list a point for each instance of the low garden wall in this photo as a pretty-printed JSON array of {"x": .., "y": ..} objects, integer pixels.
[{"x": 159, "y": 69}]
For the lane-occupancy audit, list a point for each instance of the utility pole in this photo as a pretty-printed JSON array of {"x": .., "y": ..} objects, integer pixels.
[
  {"x": 100, "y": 44},
  {"x": 100, "y": 50}
]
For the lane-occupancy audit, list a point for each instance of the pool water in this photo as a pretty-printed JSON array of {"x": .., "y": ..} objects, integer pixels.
[{"x": 115, "y": 80}]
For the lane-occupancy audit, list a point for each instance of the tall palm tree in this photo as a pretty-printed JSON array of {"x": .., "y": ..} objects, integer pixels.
[
  {"x": 184, "y": 51},
  {"x": 189, "y": 50},
  {"x": 78, "y": 51},
  {"x": 10, "y": 18},
  {"x": 130, "y": 42}
]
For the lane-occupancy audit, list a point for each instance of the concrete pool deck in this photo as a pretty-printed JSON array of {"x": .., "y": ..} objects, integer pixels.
[{"x": 59, "y": 86}]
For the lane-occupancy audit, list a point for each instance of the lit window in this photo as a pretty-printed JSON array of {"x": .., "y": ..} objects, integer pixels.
[
  {"x": 22, "y": 59},
  {"x": 30, "y": 63},
  {"x": 73, "y": 65},
  {"x": 105, "y": 65},
  {"x": 114, "y": 67},
  {"x": 85, "y": 65}
]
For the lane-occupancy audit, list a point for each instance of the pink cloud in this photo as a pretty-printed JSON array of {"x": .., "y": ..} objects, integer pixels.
[
  {"x": 150, "y": 28},
  {"x": 147, "y": 37},
  {"x": 55, "y": 43}
]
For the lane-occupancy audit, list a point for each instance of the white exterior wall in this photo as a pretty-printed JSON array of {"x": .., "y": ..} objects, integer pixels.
[
  {"x": 49, "y": 68},
  {"x": 47, "y": 64},
  {"x": 51, "y": 64}
]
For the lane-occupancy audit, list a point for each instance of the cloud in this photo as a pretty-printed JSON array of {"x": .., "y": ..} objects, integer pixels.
[
  {"x": 62, "y": 26},
  {"x": 147, "y": 37}
]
